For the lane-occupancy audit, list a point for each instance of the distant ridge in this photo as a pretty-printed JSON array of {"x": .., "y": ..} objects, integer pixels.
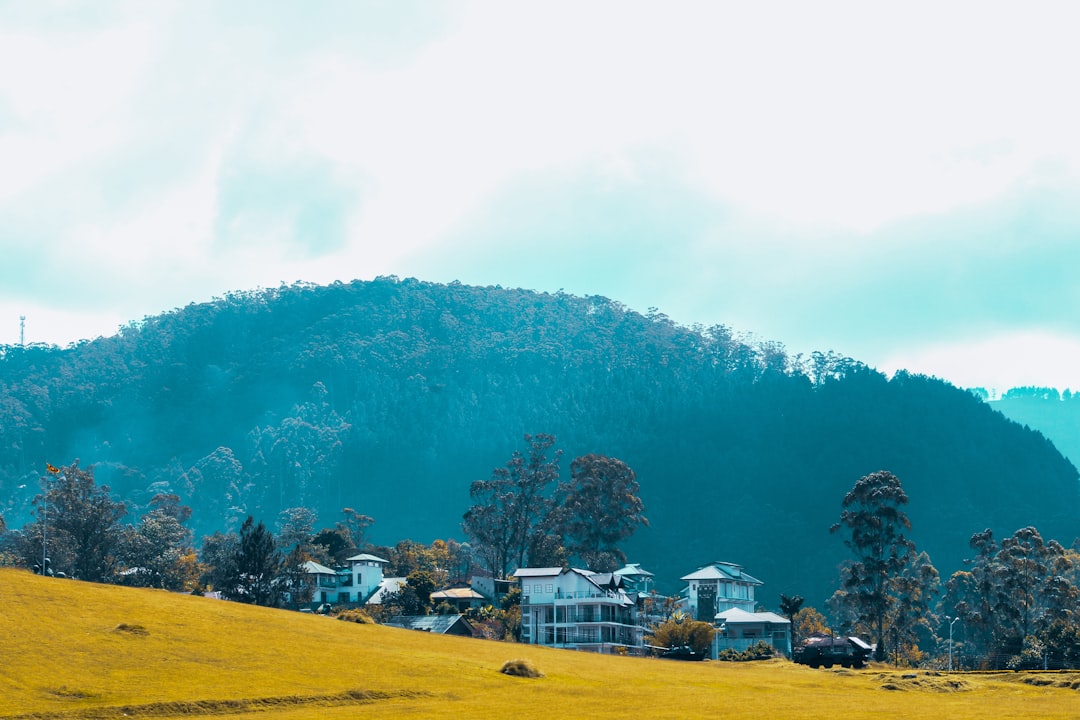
[{"x": 390, "y": 396}]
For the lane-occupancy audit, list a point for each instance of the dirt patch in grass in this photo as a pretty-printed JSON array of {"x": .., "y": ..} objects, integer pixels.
[
  {"x": 130, "y": 629},
  {"x": 199, "y": 708},
  {"x": 1067, "y": 680}
]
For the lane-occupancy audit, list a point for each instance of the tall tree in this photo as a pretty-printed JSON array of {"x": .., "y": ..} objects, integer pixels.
[
  {"x": 599, "y": 509},
  {"x": 157, "y": 551},
  {"x": 81, "y": 523},
  {"x": 256, "y": 566},
  {"x": 790, "y": 606},
  {"x": 873, "y": 517},
  {"x": 508, "y": 508}
]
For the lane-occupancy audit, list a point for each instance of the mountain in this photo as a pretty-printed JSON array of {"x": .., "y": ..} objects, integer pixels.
[
  {"x": 1055, "y": 414},
  {"x": 391, "y": 396}
]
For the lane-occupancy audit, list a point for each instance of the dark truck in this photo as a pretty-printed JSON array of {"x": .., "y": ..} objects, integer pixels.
[{"x": 825, "y": 650}]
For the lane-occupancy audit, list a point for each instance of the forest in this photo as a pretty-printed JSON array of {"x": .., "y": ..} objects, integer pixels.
[{"x": 393, "y": 396}]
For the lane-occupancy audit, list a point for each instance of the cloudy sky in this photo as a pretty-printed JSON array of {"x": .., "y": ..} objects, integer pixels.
[{"x": 898, "y": 182}]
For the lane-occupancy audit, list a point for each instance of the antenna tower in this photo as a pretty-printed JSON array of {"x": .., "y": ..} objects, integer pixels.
[{"x": 22, "y": 331}]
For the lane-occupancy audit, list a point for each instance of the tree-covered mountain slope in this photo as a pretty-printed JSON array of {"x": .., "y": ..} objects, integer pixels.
[{"x": 391, "y": 396}]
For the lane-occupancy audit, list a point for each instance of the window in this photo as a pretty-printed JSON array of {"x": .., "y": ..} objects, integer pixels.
[{"x": 549, "y": 588}]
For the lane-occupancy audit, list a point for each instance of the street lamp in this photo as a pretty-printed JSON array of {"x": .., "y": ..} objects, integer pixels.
[{"x": 950, "y": 638}]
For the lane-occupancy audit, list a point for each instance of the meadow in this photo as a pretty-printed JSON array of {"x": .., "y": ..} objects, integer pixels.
[{"x": 71, "y": 649}]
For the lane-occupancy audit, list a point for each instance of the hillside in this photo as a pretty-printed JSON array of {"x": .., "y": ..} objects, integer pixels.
[
  {"x": 391, "y": 396},
  {"x": 80, "y": 650},
  {"x": 1054, "y": 414}
]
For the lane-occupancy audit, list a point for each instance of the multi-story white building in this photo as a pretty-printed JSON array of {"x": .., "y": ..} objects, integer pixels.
[
  {"x": 718, "y": 587},
  {"x": 577, "y": 609},
  {"x": 361, "y": 579}
]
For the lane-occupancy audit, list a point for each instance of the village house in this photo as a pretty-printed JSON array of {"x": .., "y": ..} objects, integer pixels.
[
  {"x": 577, "y": 609},
  {"x": 359, "y": 581},
  {"x": 461, "y": 598},
  {"x": 738, "y": 630},
  {"x": 321, "y": 580},
  {"x": 718, "y": 587}
]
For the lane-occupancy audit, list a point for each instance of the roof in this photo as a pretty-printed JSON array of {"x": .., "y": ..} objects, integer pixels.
[
  {"x": 429, "y": 623},
  {"x": 367, "y": 557},
  {"x": 313, "y": 567},
  {"x": 388, "y": 585},
  {"x": 538, "y": 572},
  {"x": 633, "y": 569},
  {"x": 737, "y": 616},
  {"x": 458, "y": 593},
  {"x": 722, "y": 571}
]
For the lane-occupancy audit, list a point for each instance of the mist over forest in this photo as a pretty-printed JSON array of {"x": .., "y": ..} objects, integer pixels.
[{"x": 392, "y": 396}]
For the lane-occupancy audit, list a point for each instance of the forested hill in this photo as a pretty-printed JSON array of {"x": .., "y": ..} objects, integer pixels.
[{"x": 391, "y": 396}]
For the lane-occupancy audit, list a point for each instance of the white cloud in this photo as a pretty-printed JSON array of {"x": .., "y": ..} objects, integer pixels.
[{"x": 1011, "y": 359}]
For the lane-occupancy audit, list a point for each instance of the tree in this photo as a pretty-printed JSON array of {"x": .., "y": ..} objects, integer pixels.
[
  {"x": 808, "y": 621},
  {"x": 354, "y": 526},
  {"x": 256, "y": 565},
  {"x": 789, "y": 606},
  {"x": 509, "y": 507},
  {"x": 158, "y": 552},
  {"x": 873, "y": 517},
  {"x": 912, "y": 619},
  {"x": 218, "y": 556},
  {"x": 81, "y": 524},
  {"x": 681, "y": 631},
  {"x": 600, "y": 508}
]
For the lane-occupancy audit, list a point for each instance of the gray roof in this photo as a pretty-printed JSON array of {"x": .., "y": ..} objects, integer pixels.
[
  {"x": 366, "y": 557},
  {"x": 736, "y": 616},
  {"x": 633, "y": 570},
  {"x": 538, "y": 572},
  {"x": 430, "y": 623},
  {"x": 722, "y": 571},
  {"x": 311, "y": 566}
]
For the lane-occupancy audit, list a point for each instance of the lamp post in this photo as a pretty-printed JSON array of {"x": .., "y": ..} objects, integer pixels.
[{"x": 953, "y": 622}]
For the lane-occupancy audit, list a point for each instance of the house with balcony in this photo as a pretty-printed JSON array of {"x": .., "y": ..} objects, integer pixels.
[
  {"x": 359, "y": 580},
  {"x": 321, "y": 580},
  {"x": 577, "y": 609},
  {"x": 718, "y": 587}
]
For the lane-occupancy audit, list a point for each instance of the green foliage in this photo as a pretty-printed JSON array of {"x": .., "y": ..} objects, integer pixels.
[
  {"x": 355, "y": 615},
  {"x": 80, "y": 522},
  {"x": 396, "y": 390},
  {"x": 875, "y": 524},
  {"x": 759, "y": 651},
  {"x": 1018, "y": 600},
  {"x": 681, "y": 631},
  {"x": 598, "y": 509},
  {"x": 254, "y": 567},
  {"x": 514, "y": 505}
]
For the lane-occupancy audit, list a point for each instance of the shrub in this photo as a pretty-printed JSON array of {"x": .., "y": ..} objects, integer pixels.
[
  {"x": 356, "y": 615},
  {"x": 759, "y": 651},
  {"x": 520, "y": 668}
]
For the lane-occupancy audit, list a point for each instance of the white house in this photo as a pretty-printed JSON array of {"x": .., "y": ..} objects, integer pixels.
[
  {"x": 577, "y": 609},
  {"x": 718, "y": 587},
  {"x": 322, "y": 580},
  {"x": 738, "y": 629},
  {"x": 361, "y": 579}
]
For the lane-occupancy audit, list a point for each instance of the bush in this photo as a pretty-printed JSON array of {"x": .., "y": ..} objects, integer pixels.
[
  {"x": 355, "y": 615},
  {"x": 760, "y": 651},
  {"x": 520, "y": 668}
]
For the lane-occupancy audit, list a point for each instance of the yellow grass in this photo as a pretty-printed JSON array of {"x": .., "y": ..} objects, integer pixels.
[{"x": 77, "y": 650}]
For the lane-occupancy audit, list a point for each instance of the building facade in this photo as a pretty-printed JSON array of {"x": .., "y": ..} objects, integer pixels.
[
  {"x": 577, "y": 609},
  {"x": 718, "y": 587}
]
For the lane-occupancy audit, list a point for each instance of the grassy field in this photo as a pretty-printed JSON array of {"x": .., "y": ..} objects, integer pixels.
[{"x": 77, "y": 650}]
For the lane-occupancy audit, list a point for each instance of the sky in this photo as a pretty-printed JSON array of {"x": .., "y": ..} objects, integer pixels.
[{"x": 895, "y": 182}]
